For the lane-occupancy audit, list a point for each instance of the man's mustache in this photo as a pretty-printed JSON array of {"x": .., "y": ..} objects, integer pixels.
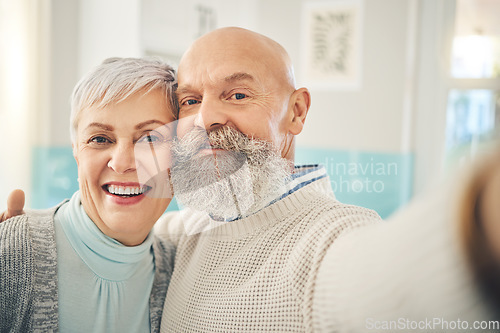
[
  {"x": 224, "y": 137},
  {"x": 223, "y": 164}
]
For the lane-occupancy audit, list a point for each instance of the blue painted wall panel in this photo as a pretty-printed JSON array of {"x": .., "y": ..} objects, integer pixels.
[
  {"x": 54, "y": 176},
  {"x": 380, "y": 181}
]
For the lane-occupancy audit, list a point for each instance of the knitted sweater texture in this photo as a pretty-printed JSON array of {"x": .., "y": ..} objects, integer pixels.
[
  {"x": 28, "y": 274},
  {"x": 257, "y": 273}
]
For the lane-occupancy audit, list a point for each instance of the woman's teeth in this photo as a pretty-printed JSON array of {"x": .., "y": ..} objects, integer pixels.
[{"x": 126, "y": 190}]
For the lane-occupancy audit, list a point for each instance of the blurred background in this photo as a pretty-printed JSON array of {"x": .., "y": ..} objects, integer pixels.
[{"x": 402, "y": 90}]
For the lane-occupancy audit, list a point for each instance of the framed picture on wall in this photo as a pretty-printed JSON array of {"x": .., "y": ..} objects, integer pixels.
[{"x": 332, "y": 40}]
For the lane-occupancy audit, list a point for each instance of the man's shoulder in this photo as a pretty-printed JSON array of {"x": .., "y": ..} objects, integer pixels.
[
  {"x": 323, "y": 207},
  {"x": 342, "y": 213},
  {"x": 323, "y": 221}
]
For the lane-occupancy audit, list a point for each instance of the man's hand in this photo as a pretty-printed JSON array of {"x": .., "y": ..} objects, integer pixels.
[{"x": 15, "y": 205}]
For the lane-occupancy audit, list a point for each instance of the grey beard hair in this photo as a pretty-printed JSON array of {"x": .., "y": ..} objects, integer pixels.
[{"x": 236, "y": 182}]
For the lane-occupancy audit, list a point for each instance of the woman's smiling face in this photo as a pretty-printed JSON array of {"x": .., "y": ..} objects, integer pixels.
[{"x": 119, "y": 150}]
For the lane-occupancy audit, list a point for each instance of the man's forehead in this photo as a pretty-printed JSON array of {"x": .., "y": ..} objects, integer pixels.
[
  {"x": 226, "y": 51},
  {"x": 188, "y": 84},
  {"x": 220, "y": 63}
]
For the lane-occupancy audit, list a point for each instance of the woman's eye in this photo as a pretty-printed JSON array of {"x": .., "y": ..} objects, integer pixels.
[
  {"x": 99, "y": 140},
  {"x": 190, "y": 102},
  {"x": 150, "y": 139}
]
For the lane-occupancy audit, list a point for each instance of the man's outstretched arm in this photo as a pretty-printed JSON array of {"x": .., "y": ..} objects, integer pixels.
[{"x": 15, "y": 205}]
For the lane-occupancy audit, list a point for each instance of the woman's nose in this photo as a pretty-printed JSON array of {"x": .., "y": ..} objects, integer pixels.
[{"x": 122, "y": 158}]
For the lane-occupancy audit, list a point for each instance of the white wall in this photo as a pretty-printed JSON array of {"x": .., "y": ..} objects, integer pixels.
[
  {"x": 60, "y": 59},
  {"x": 435, "y": 39},
  {"x": 109, "y": 28},
  {"x": 169, "y": 27},
  {"x": 17, "y": 64}
]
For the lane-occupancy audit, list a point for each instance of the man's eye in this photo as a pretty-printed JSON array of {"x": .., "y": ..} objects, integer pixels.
[
  {"x": 99, "y": 140},
  {"x": 239, "y": 96}
]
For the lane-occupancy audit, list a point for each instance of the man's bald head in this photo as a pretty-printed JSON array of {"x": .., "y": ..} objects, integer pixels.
[{"x": 229, "y": 44}]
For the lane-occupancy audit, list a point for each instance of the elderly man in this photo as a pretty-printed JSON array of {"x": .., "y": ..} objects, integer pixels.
[{"x": 256, "y": 228}]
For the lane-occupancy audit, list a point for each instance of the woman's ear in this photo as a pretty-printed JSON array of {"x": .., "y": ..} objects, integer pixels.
[
  {"x": 300, "y": 101},
  {"x": 75, "y": 155}
]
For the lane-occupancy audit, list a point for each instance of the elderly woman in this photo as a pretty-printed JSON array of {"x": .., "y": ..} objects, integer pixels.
[{"x": 91, "y": 264}]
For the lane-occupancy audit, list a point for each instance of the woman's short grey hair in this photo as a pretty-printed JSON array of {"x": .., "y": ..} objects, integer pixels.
[{"x": 116, "y": 79}]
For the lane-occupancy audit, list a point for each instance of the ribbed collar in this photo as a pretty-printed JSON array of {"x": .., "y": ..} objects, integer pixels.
[{"x": 104, "y": 255}]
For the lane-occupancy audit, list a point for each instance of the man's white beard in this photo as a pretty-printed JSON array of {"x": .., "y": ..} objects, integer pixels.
[{"x": 228, "y": 184}]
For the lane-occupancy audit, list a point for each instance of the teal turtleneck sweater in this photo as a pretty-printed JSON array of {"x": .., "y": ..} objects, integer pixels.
[{"x": 103, "y": 286}]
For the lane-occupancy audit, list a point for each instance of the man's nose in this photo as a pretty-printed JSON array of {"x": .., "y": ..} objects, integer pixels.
[
  {"x": 211, "y": 115},
  {"x": 122, "y": 158}
]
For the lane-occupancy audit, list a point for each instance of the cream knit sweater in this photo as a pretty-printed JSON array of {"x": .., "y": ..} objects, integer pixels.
[{"x": 257, "y": 273}]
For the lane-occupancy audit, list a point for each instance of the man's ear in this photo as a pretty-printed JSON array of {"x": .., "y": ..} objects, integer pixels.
[{"x": 300, "y": 101}]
